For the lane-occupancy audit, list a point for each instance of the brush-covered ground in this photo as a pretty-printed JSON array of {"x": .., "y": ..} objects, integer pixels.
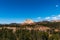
[{"x": 44, "y": 30}]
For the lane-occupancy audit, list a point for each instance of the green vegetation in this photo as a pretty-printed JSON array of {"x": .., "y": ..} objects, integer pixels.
[
  {"x": 25, "y": 34},
  {"x": 7, "y": 34}
]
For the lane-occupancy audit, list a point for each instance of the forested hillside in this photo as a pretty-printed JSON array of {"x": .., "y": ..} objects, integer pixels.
[{"x": 44, "y": 30}]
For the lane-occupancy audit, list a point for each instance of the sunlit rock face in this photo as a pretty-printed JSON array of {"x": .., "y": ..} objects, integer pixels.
[
  {"x": 55, "y": 20},
  {"x": 28, "y": 21}
]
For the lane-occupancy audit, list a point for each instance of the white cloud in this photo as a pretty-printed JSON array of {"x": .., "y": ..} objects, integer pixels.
[
  {"x": 47, "y": 18},
  {"x": 38, "y": 17},
  {"x": 57, "y": 5},
  {"x": 56, "y": 17}
]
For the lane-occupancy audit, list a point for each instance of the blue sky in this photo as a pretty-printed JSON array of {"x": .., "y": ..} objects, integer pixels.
[{"x": 19, "y": 10}]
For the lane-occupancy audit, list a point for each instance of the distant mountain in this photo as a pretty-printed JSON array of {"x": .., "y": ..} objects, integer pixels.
[
  {"x": 28, "y": 21},
  {"x": 55, "y": 20}
]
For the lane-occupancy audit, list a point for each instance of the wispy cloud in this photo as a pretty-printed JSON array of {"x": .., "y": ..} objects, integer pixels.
[
  {"x": 57, "y": 5},
  {"x": 38, "y": 17},
  {"x": 55, "y": 17},
  {"x": 47, "y": 18}
]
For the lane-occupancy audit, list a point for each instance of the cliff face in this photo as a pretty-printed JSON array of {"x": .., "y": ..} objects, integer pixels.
[{"x": 28, "y": 21}]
